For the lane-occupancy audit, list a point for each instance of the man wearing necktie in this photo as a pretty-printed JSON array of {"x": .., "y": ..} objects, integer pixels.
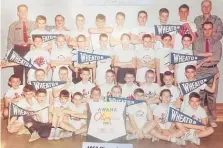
[
  {"x": 18, "y": 37},
  {"x": 207, "y": 46}
]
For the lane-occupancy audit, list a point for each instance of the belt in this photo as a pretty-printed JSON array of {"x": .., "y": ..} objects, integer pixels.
[
  {"x": 22, "y": 45},
  {"x": 212, "y": 66}
]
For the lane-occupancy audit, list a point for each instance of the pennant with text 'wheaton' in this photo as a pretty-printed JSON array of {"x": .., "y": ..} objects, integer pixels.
[
  {"x": 128, "y": 101},
  {"x": 85, "y": 57},
  {"x": 162, "y": 29},
  {"x": 13, "y": 56},
  {"x": 176, "y": 58},
  {"x": 46, "y": 84},
  {"x": 177, "y": 116},
  {"x": 15, "y": 110},
  {"x": 187, "y": 87},
  {"x": 46, "y": 37}
]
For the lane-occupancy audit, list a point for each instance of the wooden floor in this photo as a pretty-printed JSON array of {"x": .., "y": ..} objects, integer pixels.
[{"x": 15, "y": 141}]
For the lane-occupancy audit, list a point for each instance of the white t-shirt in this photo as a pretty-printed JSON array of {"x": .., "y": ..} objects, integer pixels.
[
  {"x": 151, "y": 91},
  {"x": 197, "y": 114},
  {"x": 178, "y": 37},
  {"x": 141, "y": 30},
  {"x": 12, "y": 93},
  {"x": 128, "y": 90},
  {"x": 181, "y": 66},
  {"x": 58, "y": 104},
  {"x": 84, "y": 88},
  {"x": 122, "y": 54},
  {"x": 106, "y": 89},
  {"x": 39, "y": 58},
  {"x": 185, "y": 102},
  {"x": 163, "y": 56},
  {"x": 139, "y": 111},
  {"x": 117, "y": 33},
  {"x": 161, "y": 112},
  {"x": 75, "y": 33},
  {"x": 145, "y": 56},
  {"x": 43, "y": 113},
  {"x": 175, "y": 93}
]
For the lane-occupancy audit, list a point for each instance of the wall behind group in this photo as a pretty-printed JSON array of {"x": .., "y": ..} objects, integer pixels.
[{"x": 70, "y": 8}]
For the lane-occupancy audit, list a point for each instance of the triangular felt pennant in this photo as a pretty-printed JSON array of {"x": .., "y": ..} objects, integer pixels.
[
  {"x": 177, "y": 116},
  {"x": 16, "y": 58},
  {"x": 187, "y": 87},
  {"x": 85, "y": 57},
  {"x": 162, "y": 29},
  {"x": 128, "y": 101},
  {"x": 46, "y": 84},
  {"x": 46, "y": 37},
  {"x": 18, "y": 111},
  {"x": 176, "y": 58}
]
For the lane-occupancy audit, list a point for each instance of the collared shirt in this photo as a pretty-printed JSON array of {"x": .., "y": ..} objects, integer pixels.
[
  {"x": 214, "y": 47},
  {"x": 217, "y": 24},
  {"x": 15, "y": 34}
]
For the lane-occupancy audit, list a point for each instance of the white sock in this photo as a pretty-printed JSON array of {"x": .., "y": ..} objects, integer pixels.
[{"x": 171, "y": 139}]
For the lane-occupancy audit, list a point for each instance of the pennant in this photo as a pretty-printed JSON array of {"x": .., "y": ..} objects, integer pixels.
[
  {"x": 18, "y": 111},
  {"x": 162, "y": 29},
  {"x": 177, "y": 116},
  {"x": 16, "y": 58},
  {"x": 85, "y": 57},
  {"x": 187, "y": 87},
  {"x": 128, "y": 101},
  {"x": 176, "y": 58},
  {"x": 46, "y": 37},
  {"x": 46, "y": 84}
]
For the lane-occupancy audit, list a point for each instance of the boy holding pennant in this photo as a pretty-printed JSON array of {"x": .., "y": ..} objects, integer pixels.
[
  {"x": 191, "y": 84},
  {"x": 195, "y": 111},
  {"x": 28, "y": 103}
]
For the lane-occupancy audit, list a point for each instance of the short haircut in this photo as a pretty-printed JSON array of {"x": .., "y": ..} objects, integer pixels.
[
  {"x": 96, "y": 88},
  {"x": 146, "y": 36},
  {"x": 166, "y": 35},
  {"x": 37, "y": 70},
  {"x": 103, "y": 35},
  {"x": 163, "y": 10},
  {"x": 168, "y": 73},
  {"x": 207, "y": 23},
  {"x": 130, "y": 73},
  {"x": 59, "y": 15},
  {"x": 40, "y": 17},
  {"x": 125, "y": 34},
  {"x": 41, "y": 90},
  {"x": 184, "y": 6},
  {"x": 64, "y": 93},
  {"x": 142, "y": 11},
  {"x": 206, "y": 1},
  {"x": 14, "y": 76},
  {"x": 120, "y": 13},
  {"x": 80, "y": 15},
  {"x": 85, "y": 69},
  {"x": 63, "y": 68},
  {"x": 28, "y": 88},
  {"x": 117, "y": 86},
  {"x": 81, "y": 36},
  {"x": 60, "y": 35},
  {"x": 101, "y": 17},
  {"x": 165, "y": 90},
  {"x": 190, "y": 67},
  {"x": 150, "y": 71},
  {"x": 77, "y": 94},
  {"x": 110, "y": 71},
  {"x": 22, "y": 5},
  {"x": 187, "y": 36},
  {"x": 37, "y": 36},
  {"x": 138, "y": 90},
  {"x": 194, "y": 95}
]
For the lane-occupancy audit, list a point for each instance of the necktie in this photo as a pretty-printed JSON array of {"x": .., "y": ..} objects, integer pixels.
[
  {"x": 206, "y": 46},
  {"x": 25, "y": 38}
]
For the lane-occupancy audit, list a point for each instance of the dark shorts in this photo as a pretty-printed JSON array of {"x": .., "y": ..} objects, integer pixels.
[{"x": 121, "y": 74}]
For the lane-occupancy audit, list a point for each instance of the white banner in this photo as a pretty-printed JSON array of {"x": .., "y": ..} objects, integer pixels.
[
  {"x": 105, "y": 145},
  {"x": 106, "y": 121}
]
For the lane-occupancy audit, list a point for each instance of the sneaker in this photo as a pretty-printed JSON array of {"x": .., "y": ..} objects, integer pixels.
[
  {"x": 24, "y": 131},
  {"x": 52, "y": 134},
  {"x": 213, "y": 124},
  {"x": 188, "y": 136},
  {"x": 154, "y": 139},
  {"x": 57, "y": 134},
  {"x": 148, "y": 136},
  {"x": 34, "y": 136},
  {"x": 66, "y": 134},
  {"x": 180, "y": 141},
  {"x": 195, "y": 140},
  {"x": 131, "y": 136}
]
